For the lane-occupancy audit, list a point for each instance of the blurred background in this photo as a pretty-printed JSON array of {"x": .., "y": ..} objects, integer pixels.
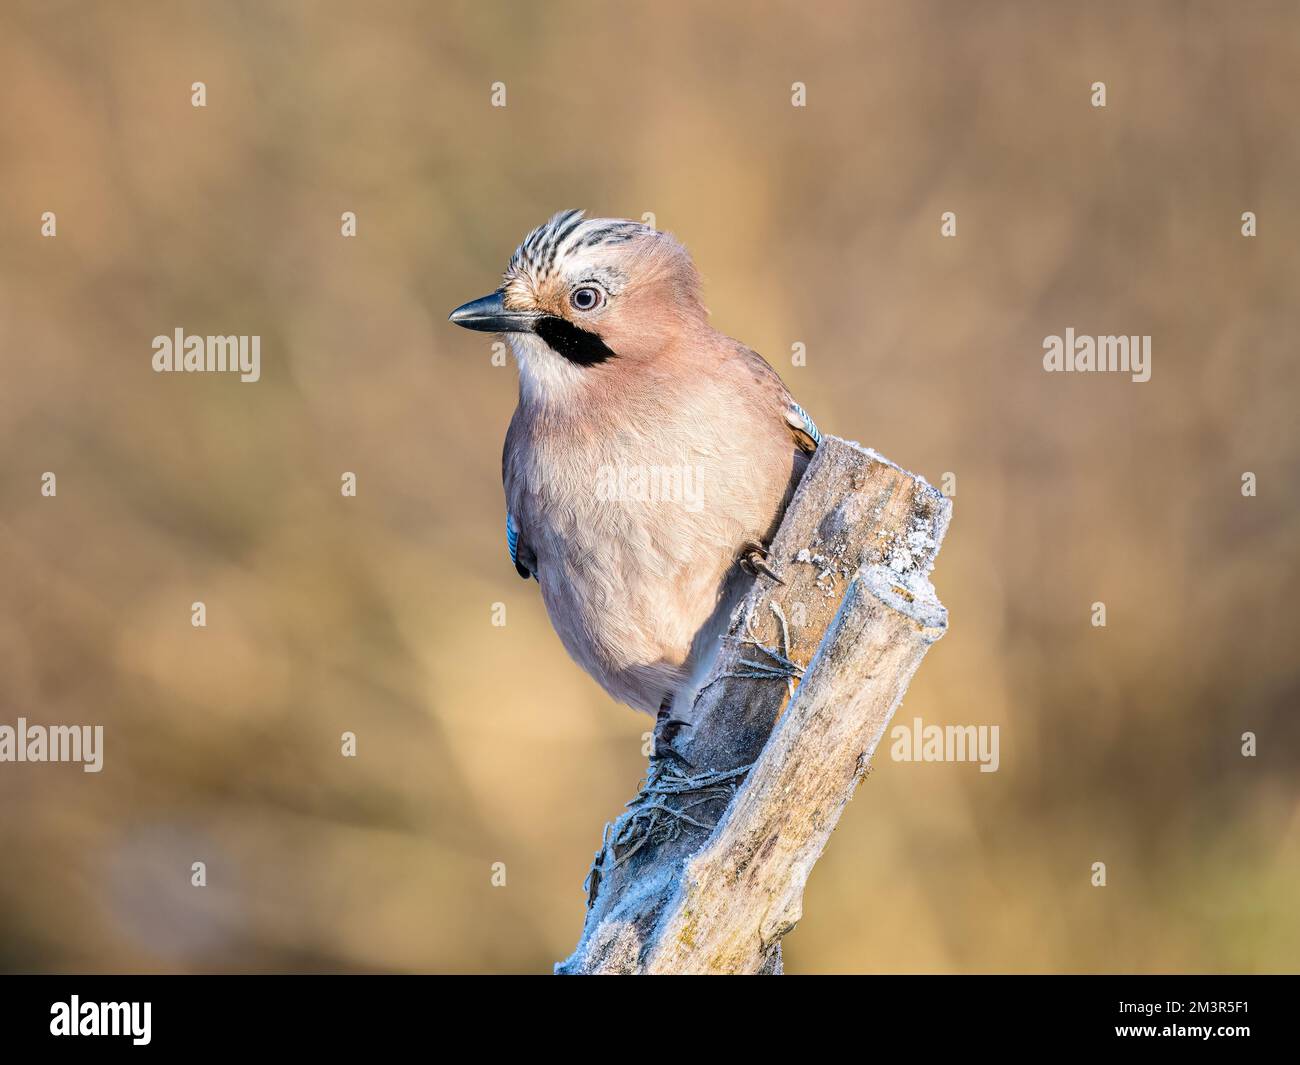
[{"x": 818, "y": 225}]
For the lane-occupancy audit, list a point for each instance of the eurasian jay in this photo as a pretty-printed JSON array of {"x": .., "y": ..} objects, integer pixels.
[{"x": 650, "y": 457}]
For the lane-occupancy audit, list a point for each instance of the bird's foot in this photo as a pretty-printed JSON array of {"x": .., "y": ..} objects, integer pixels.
[
  {"x": 753, "y": 560},
  {"x": 667, "y": 729}
]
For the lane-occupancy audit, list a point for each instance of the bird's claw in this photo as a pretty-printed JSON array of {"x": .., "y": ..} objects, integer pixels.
[
  {"x": 667, "y": 728},
  {"x": 753, "y": 560}
]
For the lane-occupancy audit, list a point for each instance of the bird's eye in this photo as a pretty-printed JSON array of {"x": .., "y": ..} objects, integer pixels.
[{"x": 586, "y": 298}]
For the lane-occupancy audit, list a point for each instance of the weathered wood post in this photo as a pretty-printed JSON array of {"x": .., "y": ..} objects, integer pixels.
[{"x": 705, "y": 871}]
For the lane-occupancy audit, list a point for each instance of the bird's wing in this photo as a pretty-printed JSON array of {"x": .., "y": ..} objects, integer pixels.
[
  {"x": 521, "y": 554},
  {"x": 806, "y": 433},
  {"x": 524, "y": 560},
  {"x": 804, "y": 430}
]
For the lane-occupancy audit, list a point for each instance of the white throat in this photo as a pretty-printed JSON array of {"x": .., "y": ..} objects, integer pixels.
[{"x": 545, "y": 376}]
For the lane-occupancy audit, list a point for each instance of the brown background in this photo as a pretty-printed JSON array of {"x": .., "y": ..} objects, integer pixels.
[{"x": 817, "y": 225}]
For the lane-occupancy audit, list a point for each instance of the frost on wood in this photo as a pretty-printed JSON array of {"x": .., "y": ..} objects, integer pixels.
[{"x": 706, "y": 869}]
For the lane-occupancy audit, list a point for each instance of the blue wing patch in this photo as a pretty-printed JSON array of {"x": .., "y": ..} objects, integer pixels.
[
  {"x": 523, "y": 568},
  {"x": 512, "y": 539},
  {"x": 809, "y": 426}
]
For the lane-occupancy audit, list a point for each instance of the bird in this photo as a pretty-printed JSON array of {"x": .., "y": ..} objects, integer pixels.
[{"x": 650, "y": 457}]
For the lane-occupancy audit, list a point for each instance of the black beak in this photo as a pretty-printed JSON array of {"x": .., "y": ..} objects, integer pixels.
[{"x": 489, "y": 315}]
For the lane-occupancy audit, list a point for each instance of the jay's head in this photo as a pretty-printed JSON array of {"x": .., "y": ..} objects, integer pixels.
[{"x": 582, "y": 294}]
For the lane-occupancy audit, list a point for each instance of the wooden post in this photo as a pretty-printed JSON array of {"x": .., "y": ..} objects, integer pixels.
[{"x": 705, "y": 871}]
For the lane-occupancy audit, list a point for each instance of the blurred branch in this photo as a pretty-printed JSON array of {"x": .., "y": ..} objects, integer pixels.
[{"x": 705, "y": 871}]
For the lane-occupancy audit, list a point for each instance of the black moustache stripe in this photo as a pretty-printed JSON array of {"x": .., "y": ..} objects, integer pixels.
[{"x": 577, "y": 345}]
